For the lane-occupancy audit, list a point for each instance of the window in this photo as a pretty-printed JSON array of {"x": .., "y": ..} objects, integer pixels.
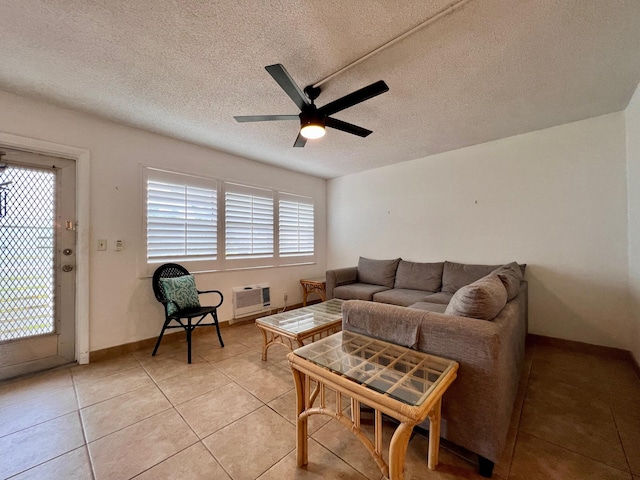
[
  {"x": 248, "y": 222},
  {"x": 207, "y": 224},
  {"x": 182, "y": 218},
  {"x": 296, "y": 224}
]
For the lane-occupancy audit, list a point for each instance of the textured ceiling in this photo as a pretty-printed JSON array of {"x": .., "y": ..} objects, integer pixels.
[{"x": 488, "y": 70}]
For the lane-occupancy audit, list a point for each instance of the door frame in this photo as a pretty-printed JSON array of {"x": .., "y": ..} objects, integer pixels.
[{"x": 82, "y": 158}]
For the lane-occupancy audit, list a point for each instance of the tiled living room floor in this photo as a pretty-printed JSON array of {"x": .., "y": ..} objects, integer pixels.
[{"x": 229, "y": 415}]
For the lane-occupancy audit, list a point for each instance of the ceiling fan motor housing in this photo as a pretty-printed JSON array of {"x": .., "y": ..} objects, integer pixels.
[{"x": 311, "y": 116}]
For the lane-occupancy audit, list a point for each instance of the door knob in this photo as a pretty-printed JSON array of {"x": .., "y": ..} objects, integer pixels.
[{"x": 67, "y": 268}]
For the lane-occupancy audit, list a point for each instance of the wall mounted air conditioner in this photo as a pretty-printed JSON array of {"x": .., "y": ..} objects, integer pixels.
[{"x": 251, "y": 299}]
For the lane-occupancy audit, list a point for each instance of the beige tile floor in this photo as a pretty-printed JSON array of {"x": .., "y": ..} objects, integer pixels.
[{"x": 230, "y": 415}]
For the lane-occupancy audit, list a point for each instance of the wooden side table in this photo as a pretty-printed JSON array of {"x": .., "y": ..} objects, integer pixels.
[{"x": 317, "y": 286}]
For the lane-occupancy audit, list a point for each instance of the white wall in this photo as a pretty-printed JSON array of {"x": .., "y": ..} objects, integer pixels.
[
  {"x": 633, "y": 184},
  {"x": 555, "y": 199},
  {"x": 122, "y": 306}
]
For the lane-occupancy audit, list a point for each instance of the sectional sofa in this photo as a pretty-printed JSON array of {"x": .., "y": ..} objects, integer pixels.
[{"x": 474, "y": 314}]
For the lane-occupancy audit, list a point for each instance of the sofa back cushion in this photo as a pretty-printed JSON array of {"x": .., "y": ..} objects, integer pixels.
[
  {"x": 483, "y": 299},
  {"x": 511, "y": 276},
  {"x": 377, "y": 272},
  {"x": 419, "y": 276},
  {"x": 457, "y": 275}
]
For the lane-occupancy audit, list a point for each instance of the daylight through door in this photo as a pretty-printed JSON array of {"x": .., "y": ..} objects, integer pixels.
[{"x": 37, "y": 242}]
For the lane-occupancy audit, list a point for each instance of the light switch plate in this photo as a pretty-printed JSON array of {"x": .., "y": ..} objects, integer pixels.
[{"x": 101, "y": 245}]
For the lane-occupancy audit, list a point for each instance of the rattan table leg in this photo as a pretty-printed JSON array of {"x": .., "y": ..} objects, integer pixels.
[
  {"x": 398, "y": 450},
  {"x": 434, "y": 435},
  {"x": 302, "y": 440},
  {"x": 265, "y": 343}
]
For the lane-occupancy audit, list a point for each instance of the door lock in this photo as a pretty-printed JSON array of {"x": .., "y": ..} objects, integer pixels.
[
  {"x": 67, "y": 268},
  {"x": 67, "y": 251}
]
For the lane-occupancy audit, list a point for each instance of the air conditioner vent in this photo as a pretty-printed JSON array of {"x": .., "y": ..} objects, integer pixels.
[{"x": 251, "y": 299}]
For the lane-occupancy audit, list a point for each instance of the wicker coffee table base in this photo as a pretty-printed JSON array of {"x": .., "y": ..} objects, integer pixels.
[
  {"x": 304, "y": 372},
  {"x": 272, "y": 336}
]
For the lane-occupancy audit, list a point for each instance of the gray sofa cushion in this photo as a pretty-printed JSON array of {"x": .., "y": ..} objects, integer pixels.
[
  {"x": 511, "y": 276},
  {"x": 429, "y": 307},
  {"x": 439, "y": 297},
  {"x": 377, "y": 272},
  {"x": 419, "y": 276},
  {"x": 400, "y": 296},
  {"x": 457, "y": 275},
  {"x": 483, "y": 299},
  {"x": 357, "y": 291}
]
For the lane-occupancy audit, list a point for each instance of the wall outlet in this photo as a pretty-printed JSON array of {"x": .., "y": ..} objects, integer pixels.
[{"x": 285, "y": 296}]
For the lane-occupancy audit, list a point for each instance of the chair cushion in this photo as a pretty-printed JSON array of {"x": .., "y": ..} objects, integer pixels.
[
  {"x": 181, "y": 290},
  {"x": 429, "y": 307},
  {"x": 419, "y": 276},
  {"x": 377, "y": 272},
  {"x": 483, "y": 299},
  {"x": 439, "y": 297},
  {"x": 400, "y": 296},
  {"x": 357, "y": 291}
]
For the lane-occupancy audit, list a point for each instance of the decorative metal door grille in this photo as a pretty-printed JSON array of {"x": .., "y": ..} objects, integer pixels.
[{"x": 27, "y": 253}]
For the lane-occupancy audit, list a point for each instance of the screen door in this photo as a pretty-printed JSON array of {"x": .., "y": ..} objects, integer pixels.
[{"x": 37, "y": 262}]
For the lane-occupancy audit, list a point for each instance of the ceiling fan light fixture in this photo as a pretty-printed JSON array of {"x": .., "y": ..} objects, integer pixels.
[
  {"x": 312, "y": 130},
  {"x": 311, "y": 124}
]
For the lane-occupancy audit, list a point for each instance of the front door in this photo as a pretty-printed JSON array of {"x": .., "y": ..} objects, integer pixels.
[{"x": 37, "y": 262}]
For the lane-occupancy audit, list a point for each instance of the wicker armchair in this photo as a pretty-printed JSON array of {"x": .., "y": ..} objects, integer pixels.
[{"x": 183, "y": 317}]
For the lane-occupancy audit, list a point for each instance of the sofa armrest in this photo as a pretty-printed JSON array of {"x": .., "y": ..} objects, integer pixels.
[{"x": 340, "y": 276}]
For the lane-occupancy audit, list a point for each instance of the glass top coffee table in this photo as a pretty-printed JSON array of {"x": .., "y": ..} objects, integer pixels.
[
  {"x": 402, "y": 383},
  {"x": 297, "y": 325}
]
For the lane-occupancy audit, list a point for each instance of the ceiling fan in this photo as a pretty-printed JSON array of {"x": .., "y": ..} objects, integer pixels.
[{"x": 313, "y": 120}]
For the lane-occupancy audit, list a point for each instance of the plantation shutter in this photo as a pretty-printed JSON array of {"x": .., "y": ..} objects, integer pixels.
[
  {"x": 248, "y": 222},
  {"x": 182, "y": 218},
  {"x": 296, "y": 225}
]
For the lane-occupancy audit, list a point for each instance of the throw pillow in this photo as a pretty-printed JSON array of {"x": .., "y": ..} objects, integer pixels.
[
  {"x": 377, "y": 272},
  {"x": 181, "y": 290},
  {"x": 510, "y": 275},
  {"x": 483, "y": 299}
]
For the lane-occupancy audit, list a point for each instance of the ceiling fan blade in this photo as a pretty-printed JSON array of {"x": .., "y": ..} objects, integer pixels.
[
  {"x": 354, "y": 98},
  {"x": 300, "y": 141},
  {"x": 347, "y": 127},
  {"x": 264, "y": 118},
  {"x": 280, "y": 75}
]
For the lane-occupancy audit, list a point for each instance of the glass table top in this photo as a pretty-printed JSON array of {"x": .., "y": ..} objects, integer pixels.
[
  {"x": 305, "y": 318},
  {"x": 404, "y": 374}
]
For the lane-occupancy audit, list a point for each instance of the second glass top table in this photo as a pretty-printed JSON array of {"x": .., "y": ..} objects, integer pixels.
[{"x": 297, "y": 325}]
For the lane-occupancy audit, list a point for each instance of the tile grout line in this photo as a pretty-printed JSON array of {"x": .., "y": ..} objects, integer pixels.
[
  {"x": 576, "y": 453},
  {"x": 515, "y": 441},
  {"x": 83, "y": 446},
  {"x": 626, "y": 455},
  {"x": 82, "y": 427}
]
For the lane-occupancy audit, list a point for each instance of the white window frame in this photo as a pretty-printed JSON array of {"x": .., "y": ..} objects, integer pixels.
[
  {"x": 258, "y": 201},
  {"x": 209, "y": 262},
  {"x": 223, "y": 262},
  {"x": 300, "y": 255}
]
